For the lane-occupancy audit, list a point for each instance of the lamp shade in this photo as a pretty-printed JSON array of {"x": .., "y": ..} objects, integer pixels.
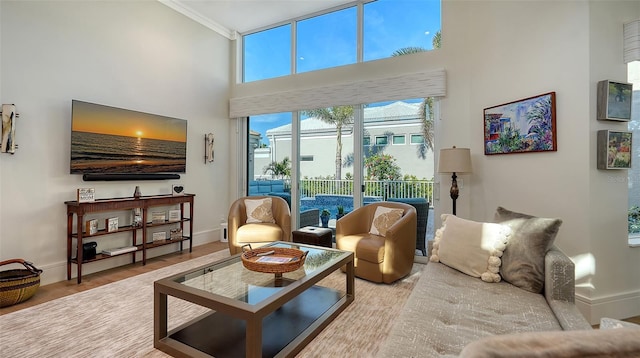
[
  {"x": 454, "y": 160},
  {"x": 631, "y": 41}
]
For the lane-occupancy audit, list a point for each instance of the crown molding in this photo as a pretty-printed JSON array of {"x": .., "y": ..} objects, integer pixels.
[{"x": 197, "y": 17}]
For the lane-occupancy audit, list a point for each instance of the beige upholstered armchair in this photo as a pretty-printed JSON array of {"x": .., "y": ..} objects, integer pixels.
[
  {"x": 256, "y": 229},
  {"x": 385, "y": 255}
]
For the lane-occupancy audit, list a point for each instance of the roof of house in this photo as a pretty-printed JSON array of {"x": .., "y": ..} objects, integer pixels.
[{"x": 393, "y": 111}]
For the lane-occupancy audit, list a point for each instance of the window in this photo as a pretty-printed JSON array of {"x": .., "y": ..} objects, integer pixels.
[
  {"x": 366, "y": 141},
  {"x": 274, "y": 44},
  {"x": 327, "y": 41},
  {"x": 392, "y": 25},
  {"x": 417, "y": 139},
  {"x": 389, "y": 28},
  {"x": 399, "y": 140},
  {"x": 306, "y": 158},
  {"x": 633, "y": 218},
  {"x": 382, "y": 140}
]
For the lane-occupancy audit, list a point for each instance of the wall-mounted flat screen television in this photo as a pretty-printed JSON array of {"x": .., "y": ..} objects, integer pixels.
[{"x": 109, "y": 140}]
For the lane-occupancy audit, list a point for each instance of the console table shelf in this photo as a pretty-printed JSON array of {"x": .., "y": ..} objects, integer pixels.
[{"x": 145, "y": 203}]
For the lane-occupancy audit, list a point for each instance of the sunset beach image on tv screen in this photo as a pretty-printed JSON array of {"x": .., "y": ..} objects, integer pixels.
[{"x": 113, "y": 140}]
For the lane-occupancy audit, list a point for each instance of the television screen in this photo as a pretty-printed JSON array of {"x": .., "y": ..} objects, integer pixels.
[{"x": 114, "y": 140}]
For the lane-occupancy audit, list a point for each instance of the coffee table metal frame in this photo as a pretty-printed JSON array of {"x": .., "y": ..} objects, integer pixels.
[{"x": 252, "y": 314}]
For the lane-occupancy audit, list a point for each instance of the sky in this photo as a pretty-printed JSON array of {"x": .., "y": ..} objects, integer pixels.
[
  {"x": 330, "y": 40},
  {"x": 95, "y": 118}
]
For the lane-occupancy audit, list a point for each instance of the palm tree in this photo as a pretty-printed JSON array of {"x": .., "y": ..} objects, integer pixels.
[
  {"x": 426, "y": 107},
  {"x": 338, "y": 116},
  {"x": 279, "y": 169}
]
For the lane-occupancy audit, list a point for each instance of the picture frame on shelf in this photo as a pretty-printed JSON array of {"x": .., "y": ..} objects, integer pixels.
[
  {"x": 614, "y": 101},
  {"x": 177, "y": 189},
  {"x": 158, "y": 217},
  {"x": 111, "y": 224},
  {"x": 159, "y": 236},
  {"x": 614, "y": 149},
  {"x": 175, "y": 215},
  {"x": 91, "y": 227},
  {"x": 86, "y": 195},
  {"x": 524, "y": 126}
]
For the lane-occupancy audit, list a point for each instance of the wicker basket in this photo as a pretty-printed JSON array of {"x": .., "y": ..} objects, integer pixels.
[
  {"x": 18, "y": 285},
  {"x": 250, "y": 257}
]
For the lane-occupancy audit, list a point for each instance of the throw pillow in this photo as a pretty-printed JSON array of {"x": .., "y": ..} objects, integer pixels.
[
  {"x": 259, "y": 211},
  {"x": 471, "y": 247},
  {"x": 383, "y": 219},
  {"x": 523, "y": 260}
]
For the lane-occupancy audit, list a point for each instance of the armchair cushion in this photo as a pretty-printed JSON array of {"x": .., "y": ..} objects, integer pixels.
[
  {"x": 383, "y": 219},
  {"x": 259, "y": 211},
  {"x": 473, "y": 248}
]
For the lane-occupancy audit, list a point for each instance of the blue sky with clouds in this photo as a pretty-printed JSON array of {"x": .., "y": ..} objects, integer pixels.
[{"x": 330, "y": 40}]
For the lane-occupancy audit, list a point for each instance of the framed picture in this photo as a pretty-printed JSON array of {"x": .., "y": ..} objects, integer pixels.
[
  {"x": 159, "y": 236},
  {"x": 158, "y": 217},
  {"x": 522, "y": 126},
  {"x": 91, "y": 227},
  {"x": 175, "y": 215},
  {"x": 614, "y": 149},
  {"x": 111, "y": 224},
  {"x": 614, "y": 101},
  {"x": 86, "y": 195}
]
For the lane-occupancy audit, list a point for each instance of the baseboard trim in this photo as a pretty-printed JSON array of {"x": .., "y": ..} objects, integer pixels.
[{"x": 619, "y": 306}]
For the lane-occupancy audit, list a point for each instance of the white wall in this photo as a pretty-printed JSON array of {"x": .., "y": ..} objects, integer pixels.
[
  {"x": 137, "y": 55},
  {"x": 500, "y": 51}
]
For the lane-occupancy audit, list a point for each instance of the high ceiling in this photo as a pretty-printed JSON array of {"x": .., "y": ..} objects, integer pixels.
[{"x": 230, "y": 16}]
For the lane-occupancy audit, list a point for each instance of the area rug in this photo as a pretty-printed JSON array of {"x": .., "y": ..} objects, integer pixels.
[{"x": 116, "y": 320}]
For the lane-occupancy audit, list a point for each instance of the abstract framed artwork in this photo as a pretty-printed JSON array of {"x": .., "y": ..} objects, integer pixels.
[
  {"x": 614, "y": 101},
  {"x": 522, "y": 126},
  {"x": 614, "y": 149}
]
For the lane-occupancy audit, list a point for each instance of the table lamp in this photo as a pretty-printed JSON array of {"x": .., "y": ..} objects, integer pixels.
[{"x": 454, "y": 160}]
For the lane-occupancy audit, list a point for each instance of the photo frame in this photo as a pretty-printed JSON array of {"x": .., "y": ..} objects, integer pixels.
[
  {"x": 523, "y": 126},
  {"x": 614, "y": 149},
  {"x": 614, "y": 101}
]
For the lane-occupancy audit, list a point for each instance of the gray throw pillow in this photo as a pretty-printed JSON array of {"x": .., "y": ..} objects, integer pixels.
[{"x": 523, "y": 259}]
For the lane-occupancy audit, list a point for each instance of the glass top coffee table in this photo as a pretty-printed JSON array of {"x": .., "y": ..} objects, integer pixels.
[{"x": 253, "y": 314}]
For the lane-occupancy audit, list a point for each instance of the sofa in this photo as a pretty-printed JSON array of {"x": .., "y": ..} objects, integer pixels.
[
  {"x": 451, "y": 313},
  {"x": 449, "y": 309}
]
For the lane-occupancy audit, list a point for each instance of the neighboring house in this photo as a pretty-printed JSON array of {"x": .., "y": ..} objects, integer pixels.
[{"x": 395, "y": 128}]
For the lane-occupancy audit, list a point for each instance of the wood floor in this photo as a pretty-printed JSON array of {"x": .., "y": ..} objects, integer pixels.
[{"x": 66, "y": 288}]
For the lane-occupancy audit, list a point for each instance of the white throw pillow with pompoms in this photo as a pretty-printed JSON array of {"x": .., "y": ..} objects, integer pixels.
[{"x": 471, "y": 247}]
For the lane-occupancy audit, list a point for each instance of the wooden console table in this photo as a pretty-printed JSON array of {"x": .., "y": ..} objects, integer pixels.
[{"x": 79, "y": 210}]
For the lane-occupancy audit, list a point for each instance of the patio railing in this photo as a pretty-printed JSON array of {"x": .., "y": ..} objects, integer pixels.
[{"x": 382, "y": 189}]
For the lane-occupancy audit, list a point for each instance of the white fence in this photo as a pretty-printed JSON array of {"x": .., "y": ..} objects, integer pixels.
[{"x": 383, "y": 189}]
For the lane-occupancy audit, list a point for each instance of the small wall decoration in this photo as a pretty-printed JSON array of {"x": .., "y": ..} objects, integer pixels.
[
  {"x": 8, "y": 129},
  {"x": 614, "y": 149},
  {"x": 208, "y": 148},
  {"x": 614, "y": 101},
  {"x": 522, "y": 126}
]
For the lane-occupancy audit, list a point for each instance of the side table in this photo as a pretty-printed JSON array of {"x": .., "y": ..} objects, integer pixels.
[{"x": 312, "y": 235}]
